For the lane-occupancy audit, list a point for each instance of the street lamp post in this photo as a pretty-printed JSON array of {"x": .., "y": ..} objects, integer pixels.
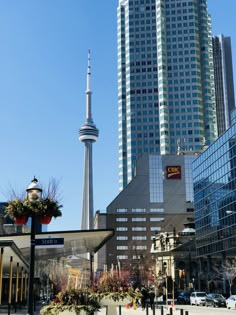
[
  {"x": 34, "y": 194},
  {"x": 193, "y": 284}
]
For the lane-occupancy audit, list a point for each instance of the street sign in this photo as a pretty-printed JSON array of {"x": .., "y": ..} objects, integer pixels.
[{"x": 49, "y": 242}]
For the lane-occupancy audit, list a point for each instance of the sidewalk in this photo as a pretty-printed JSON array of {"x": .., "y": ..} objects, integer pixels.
[
  {"x": 124, "y": 311},
  {"x": 138, "y": 311},
  {"x": 20, "y": 310}
]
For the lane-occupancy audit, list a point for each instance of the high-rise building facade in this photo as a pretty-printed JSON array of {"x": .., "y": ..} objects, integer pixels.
[
  {"x": 166, "y": 95},
  {"x": 214, "y": 182},
  {"x": 158, "y": 199},
  {"x": 224, "y": 82}
]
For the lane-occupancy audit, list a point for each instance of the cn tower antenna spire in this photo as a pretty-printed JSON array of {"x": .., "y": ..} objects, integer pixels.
[
  {"x": 88, "y": 134},
  {"x": 88, "y": 92},
  {"x": 88, "y": 72}
]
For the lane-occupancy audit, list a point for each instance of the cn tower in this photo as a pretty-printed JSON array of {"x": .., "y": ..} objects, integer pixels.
[{"x": 88, "y": 134}]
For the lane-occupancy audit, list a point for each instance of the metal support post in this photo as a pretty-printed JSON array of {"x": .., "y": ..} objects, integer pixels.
[
  {"x": 91, "y": 270},
  {"x": 31, "y": 273}
]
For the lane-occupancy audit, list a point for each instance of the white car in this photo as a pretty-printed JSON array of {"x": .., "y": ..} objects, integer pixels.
[
  {"x": 198, "y": 298},
  {"x": 231, "y": 302}
]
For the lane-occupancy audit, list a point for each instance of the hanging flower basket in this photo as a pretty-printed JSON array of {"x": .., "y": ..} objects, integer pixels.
[
  {"x": 45, "y": 219},
  {"x": 44, "y": 208},
  {"x": 21, "y": 220}
]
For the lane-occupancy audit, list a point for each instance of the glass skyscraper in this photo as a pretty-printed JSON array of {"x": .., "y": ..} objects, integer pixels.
[
  {"x": 166, "y": 95},
  {"x": 214, "y": 181},
  {"x": 224, "y": 82}
]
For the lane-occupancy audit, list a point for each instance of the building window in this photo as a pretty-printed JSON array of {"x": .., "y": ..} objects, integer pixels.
[
  {"x": 156, "y": 179},
  {"x": 122, "y": 238},
  {"x": 121, "y": 210},
  {"x": 190, "y": 210},
  {"x": 122, "y": 247},
  {"x": 189, "y": 177},
  {"x": 139, "y": 228},
  {"x": 155, "y": 228},
  {"x": 122, "y": 257},
  {"x": 156, "y": 210},
  {"x": 138, "y": 219},
  {"x": 139, "y": 247},
  {"x": 121, "y": 228},
  {"x": 157, "y": 219},
  {"x": 121, "y": 219},
  {"x": 139, "y": 238},
  {"x": 138, "y": 210}
]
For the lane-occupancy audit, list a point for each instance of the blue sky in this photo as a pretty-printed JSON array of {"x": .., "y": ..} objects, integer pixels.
[{"x": 43, "y": 60}]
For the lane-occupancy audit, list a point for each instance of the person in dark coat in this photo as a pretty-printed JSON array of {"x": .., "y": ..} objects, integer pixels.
[
  {"x": 144, "y": 297},
  {"x": 151, "y": 297}
]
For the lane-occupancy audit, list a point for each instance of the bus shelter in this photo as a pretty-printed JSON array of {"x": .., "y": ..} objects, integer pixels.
[{"x": 15, "y": 254}]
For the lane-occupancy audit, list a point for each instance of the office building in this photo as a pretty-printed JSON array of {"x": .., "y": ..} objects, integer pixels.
[
  {"x": 214, "y": 180},
  {"x": 158, "y": 198},
  {"x": 175, "y": 257},
  {"x": 165, "y": 79},
  {"x": 224, "y": 82}
]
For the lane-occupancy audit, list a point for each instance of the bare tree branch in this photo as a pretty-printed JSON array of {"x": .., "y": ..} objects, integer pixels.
[{"x": 228, "y": 272}]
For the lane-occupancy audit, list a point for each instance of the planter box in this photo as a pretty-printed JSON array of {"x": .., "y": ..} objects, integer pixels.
[
  {"x": 82, "y": 312},
  {"x": 112, "y": 305},
  {"x": 106, "y": 301}
]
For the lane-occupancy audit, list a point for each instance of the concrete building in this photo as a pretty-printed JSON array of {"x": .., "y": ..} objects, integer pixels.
[
  {"x": 224, "y": 82},
  {"x": 176, "y": 264},
  {"x": 88, "y": 134},
  {"x": 166, "y": 88},
  {"x": 159, "y": 198}
]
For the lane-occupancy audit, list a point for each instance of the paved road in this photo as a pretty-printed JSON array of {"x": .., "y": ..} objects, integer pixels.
[{"x": 192, "y": 310}]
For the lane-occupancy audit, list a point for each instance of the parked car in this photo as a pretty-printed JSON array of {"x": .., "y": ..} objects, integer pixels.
[
  {"x": 198, "y": 298},
  {"x": 214, "y": 300},
  {"x": 231, "y": 302},
  {"x": 183, "y": 298}
]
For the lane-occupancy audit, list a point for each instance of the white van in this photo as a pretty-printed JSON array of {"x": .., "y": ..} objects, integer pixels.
[{"x": 198, "y": 298}]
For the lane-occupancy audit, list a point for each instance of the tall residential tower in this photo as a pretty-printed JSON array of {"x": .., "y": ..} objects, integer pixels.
[
  {"x": 88, "y": 134},
  {"x": 166, "y": 94},
  {"x": 224, "y": 82}
]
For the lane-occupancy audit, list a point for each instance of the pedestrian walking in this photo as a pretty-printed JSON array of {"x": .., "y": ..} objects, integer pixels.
[
  {"x": 151, "y": 297},
  {"x": 144, "y": 297}
]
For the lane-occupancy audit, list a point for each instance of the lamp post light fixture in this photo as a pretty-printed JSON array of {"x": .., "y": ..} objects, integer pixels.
[
  {"x": 230, "y": 211},
  {"x": 34, "y": 195}
]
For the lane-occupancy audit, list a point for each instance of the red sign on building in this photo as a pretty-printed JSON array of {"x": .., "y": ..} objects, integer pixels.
[{"x": 173, "y": 172}]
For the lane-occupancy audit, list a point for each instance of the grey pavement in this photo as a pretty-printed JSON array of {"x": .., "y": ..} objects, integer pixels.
[
  {"x": 186, "y": 310},
  {"x": 4, "y": 310}
]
